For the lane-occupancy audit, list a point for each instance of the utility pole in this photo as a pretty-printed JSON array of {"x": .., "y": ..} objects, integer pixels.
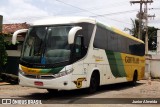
[
  {"x": 146, "y": 24},
  {"x": 1, "y": 23},
  {"x": 141, "y": 14}
]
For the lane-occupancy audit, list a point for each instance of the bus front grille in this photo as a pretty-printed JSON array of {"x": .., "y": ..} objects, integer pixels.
[{"x": 40, "y": 76}]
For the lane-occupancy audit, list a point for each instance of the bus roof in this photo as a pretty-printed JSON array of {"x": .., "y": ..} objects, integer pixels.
[
  {"x": 64, "y": 20},
  {"x": 69, "y": 20}
]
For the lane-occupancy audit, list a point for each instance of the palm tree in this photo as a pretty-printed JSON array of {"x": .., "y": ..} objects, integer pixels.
[
  {"x": 152, "y": 34},
  {"x": 134, "y": 30}
]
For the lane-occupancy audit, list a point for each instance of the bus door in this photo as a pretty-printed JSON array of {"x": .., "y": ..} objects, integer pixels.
[{"x": 79, "y": 53}]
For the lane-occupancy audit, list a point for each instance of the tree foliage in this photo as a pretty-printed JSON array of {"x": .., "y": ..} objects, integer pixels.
[
  {"x": 152, "y": 34},
  {"x": 152, "y": 38},
  {"x": 134, "y": 30},
  {"x": 3, "y": 53}
]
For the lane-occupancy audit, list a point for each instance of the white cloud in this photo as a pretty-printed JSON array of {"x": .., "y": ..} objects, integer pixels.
[
  {"x": 21, "y": 10},
  {"x": 15, "y": 11}
]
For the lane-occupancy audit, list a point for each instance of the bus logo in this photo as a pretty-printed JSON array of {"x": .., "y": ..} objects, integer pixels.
[{"x": 78, "y": 82}]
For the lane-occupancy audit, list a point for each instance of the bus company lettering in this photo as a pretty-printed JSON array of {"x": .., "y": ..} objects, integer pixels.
[
  {"x": 131, "y": 60},
  {"x": 98, "y": 58}
]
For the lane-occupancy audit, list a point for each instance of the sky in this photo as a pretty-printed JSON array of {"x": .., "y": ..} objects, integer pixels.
[{"x": 117, "y": 13}]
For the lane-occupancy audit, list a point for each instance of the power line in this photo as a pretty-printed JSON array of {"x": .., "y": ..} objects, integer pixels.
[
  {"x": 108, "y": 6},
  {"x": 75, "y": 7},
  {"x": 116, "y": 13},
  {"x": 86, "y": 10},
  {"x": 117, "y": 20},
  {"x": 122, "y": 12},
  {"x": 95, "y": 15},
  {"x": 143, "y": 15}
]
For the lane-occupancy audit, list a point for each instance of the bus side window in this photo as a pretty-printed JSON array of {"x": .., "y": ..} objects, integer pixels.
[{"x": 79, "y": 45}]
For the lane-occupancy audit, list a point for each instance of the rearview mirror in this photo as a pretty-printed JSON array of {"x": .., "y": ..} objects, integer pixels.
[
  {"x": 15, "y": 34},
  {"x": 72, "y": 33}
]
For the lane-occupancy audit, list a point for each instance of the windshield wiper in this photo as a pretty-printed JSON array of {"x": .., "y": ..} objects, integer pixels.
[{"x": 43, "y": 59}]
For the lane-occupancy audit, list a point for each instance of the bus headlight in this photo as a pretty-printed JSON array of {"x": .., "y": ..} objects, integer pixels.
[{"x": 63, "y": 73}]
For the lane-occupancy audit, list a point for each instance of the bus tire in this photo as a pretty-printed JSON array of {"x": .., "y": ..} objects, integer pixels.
[
  {"x": 94, "y": 82},
  {"x": 135, "y": 78},
  {"x": 52, "y": 91}
]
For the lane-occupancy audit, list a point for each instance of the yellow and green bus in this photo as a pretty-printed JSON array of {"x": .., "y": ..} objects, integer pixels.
[{"x": 66, "y": 53}]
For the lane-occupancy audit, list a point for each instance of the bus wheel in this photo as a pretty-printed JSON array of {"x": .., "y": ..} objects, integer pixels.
[
  {"x": 52, "y": 91},
  {"x": 94, "y": 82},
  {"x": 135, "y": 77}
]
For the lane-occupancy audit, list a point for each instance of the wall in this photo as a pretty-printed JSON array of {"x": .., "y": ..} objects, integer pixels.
[
  {"x": 158, "y": 41},
  {"x": 155, "y": 66}
]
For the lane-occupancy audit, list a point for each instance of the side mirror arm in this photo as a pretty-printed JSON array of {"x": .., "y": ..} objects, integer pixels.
[
  {"x": 15, "y": 34},
  {"x": 72, "y": 33}
]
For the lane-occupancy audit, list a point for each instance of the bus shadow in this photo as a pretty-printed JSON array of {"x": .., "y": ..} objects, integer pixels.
[
  {"x": 58, "y": 95},
  {"x": 117, "y": 87},
  {"x": 75, "y": 95}
]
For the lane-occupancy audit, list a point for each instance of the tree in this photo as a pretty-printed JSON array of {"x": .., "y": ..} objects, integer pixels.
[
  {"x": 3, "y": 53},
  {"x": 152, "y": 38},
  {"x": 134, "y": 30},
  {"x": 152, "y": 34}
]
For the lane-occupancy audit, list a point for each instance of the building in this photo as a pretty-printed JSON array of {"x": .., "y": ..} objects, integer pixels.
[
  {"x": 13, "y": 51},
  {"x": 153, "y": 61},
  {"x": 11, "y": 28},
  {"x": 8, "y": 30}
]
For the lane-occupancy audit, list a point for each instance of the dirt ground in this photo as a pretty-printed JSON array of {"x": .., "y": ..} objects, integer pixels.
[{"x": 108, "y": 95}]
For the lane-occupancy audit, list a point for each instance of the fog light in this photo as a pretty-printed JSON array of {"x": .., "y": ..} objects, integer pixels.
[{"x": 65, "y": 83}]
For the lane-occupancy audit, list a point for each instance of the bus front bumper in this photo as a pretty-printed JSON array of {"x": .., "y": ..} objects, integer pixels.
[{"x": 61, "y": 83}]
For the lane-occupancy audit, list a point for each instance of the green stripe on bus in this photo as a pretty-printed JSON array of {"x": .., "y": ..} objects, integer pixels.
[
  {"x": 120, "y": 64},
  {"x": 116, "y": 64}
]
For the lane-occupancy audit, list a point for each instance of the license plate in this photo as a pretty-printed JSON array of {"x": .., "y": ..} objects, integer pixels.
[{"x": 38, "y": 83}]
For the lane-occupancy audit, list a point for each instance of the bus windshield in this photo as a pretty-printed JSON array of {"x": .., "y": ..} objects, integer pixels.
[{"x": 46, "y": 45}]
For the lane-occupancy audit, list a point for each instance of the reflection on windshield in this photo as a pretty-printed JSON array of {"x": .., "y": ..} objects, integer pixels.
[{"x": 46, "y": 45}]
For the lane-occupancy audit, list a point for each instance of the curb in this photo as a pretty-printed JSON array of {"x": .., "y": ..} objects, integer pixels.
[{"x": 4, "y": 83}]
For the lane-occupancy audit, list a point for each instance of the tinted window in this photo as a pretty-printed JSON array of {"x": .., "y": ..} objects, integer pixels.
[
  {"x": 109, "y": 40},
  {"x": 112, "y": 42},
  {"x": 122, "y": 44},
  {"x": 136, "y": 48},
  {"x": 100, "y": 40},
  {"x": 86, "y": 32}
]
